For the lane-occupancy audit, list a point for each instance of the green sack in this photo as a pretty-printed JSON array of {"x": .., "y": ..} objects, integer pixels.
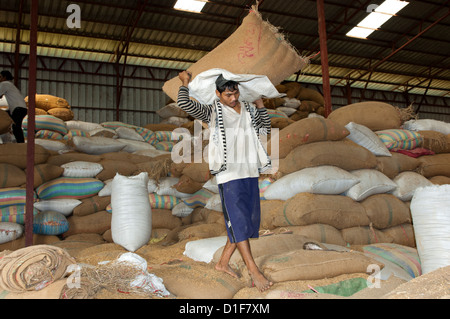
[{"x": 343, "y": 288}]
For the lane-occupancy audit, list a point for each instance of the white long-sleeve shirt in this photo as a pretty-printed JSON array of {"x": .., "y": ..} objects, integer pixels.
[{"x": 12, "y": 94}]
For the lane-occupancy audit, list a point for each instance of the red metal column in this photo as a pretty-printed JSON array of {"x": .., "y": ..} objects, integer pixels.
[
  {"x": 31, "y": 124},
  {"x": 324, "y": 56}
]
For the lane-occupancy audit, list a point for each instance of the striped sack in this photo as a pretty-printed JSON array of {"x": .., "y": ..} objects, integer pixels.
[
  {"x": 199, "y": 198},
  {"x": 49, "y": 135},
  {"x": 47, "y": 122},
  {"x": 276, "y": 114},
  {"x": 405, "y": 257},
  {"x": 163, "y": 201},
  {"x": 50, "y": 223},
  {"x": 115, "y": 124},
  {"x": 165, "y": 146},
  {"x": 400, "y": 139},
  {"x": 13, "y": 196},
  {"x": 148, "y": 135},
  {"x": 75, "y": 132},
  {"x": 69, "y": 187},
  {"x": 15, "y": 214}
]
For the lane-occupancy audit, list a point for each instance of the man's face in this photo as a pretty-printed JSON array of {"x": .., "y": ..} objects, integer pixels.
[{"x": 228, "y": 97}]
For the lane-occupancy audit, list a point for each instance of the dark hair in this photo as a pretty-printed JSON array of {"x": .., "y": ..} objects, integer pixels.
[
  {"x": 222, "y": 84},
  {"x": 7, "y": 75}
]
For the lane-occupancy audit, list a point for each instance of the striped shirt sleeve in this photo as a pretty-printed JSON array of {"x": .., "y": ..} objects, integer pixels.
[
  {"x": 193, "y": 108},
  {"x": 262, "y": 119}
]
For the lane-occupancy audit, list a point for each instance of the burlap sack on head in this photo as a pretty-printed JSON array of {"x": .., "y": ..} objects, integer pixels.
[{"x": 256, "y": 47}]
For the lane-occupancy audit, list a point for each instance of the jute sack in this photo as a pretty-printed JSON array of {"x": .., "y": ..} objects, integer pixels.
[
  {"x": 375, "y": 115},
  {"x": 270, "y": 245},
  {"x": 313, "y": 265},
  {"x": 343, "y": 154},
  {"x": 256, "y": 47},
  {"x": 16, "y": 154},
  {"x": 306, "y": 131},
  {"x": 62, "y": 113},
  {"x": 393, "y": 165},
  {"x": 47, "y": 102},
  {"x": 112, "y": 167},
  {"x": 386, "y": 210},
  {"x": 334, "y": 210},
  {"x": 435, "y": 141},
  {"x": 46, "y": 172},
  {"x": 194, "y": 280},
  {"x": 96, "y": 223},
  {"x": 5, "y": 122},
  {"x": 37, "y": 240},
  {"x": 440, "y": 180},
  {"x": 199, "y": 172},
  {"x": 307, "y": 94},
  {"x": 202, "y": 231},
  {"x": 365, "y": 235},
  {"x": 320, "y": 232},
  {"x": 401, "y": 234},
  {"x": 91, "y": 205},
  {"x": 434, "y": 165},
  {"x": 163, "y": 218},
  {"x": 11, "y": 176},
  {"x": 270, "y": 209},
  {"x": 72, "y": 156}
]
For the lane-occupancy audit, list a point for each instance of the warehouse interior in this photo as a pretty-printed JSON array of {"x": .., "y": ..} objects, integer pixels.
[
  {"x": 118, "y": 57},
  {"x": 357, "y": 195}
]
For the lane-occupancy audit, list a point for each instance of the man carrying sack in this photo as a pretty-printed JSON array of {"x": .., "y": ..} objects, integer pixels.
[{"x": 236, "y": 155}]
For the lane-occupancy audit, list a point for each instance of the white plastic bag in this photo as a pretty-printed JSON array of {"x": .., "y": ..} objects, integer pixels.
[
  {"x": 10, "y": 231},
  {"x": 366, "y": 138},
  {"x": 407, "y": 183},
  {"x": 371, "y": 182},
  {"x": 204, "y": 249},
  {"x": 131, "y": 223},
  {"x": 430, "y": 210},
  {"x": 81, "y": 169},
  {"x": 64, "y": 206}
]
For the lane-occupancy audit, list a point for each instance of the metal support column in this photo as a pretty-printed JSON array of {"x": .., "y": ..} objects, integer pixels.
[
  {"x": 31, "y": 124},
  {"x": 324, "y": 56}
]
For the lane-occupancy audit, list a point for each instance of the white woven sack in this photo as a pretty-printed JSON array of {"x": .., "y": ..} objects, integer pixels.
[
  {"x": 291, "y": 102},
  {"x": 132, "y": 146},
  {"x": 407, "y": 183},
  {"x": 286, "y": 110},
  {"x": 371, "y": 182},
  {"x": 365, "y": 137},
  {"x": 64, "y": 206},
  {"x": 325, "y": 179},
  {"x": 129, "y": 134},
  {"x": 96, "y": 145},
  {"x": 81, "y": 169},
  {"x": 182, "y": 210},
  {"x": 430, "y": 210},
  {"x": 131, "y": 223},
  {"x": 81, "y": 125},
  {"x": 214, "y": 203},
  {"x": 165, "y": 187},
  {"x": 204, "y": 249},
  {"x": 52, "y": 145},
  {"x": 427, "y": 125},
  {"x": 211, "y": 185},
  {"x": 10, "y": 231}
]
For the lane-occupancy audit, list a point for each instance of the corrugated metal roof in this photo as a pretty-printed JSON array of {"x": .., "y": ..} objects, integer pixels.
[{"x": 172, "y": 39}]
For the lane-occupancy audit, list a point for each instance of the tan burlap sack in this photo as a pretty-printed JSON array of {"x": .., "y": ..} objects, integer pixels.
[
  {"x": 434, "y": 165},
  {"x": 5, "y": 122},
  {"x": 386, "y": 210},
  {"x": 375, "y": 115},
  {"x": 37, "y": 240},
  {"x": 16, "y": 154},
  {"x": 92, "y": 205},
  {"x": 52, "y": 291},
  {"x": 319, "y": 232},
  {"x": 112, "y": 167},
  {"x": 33, "y": 268},
  {"x": 163, "y": 218},
  {"x": 313, "y": 264},
  {"x": 435, "y": 141},
  {"x": 309, "y": 106},
  {"x": 156, "y": 168},
  {"x": 62, "y": 113},
  {"x": 72, "y": 156},
  {"x": 202, "y": 231},
  {"x": 307, "y": 131},
  {"x": 393, "y": 165},
  {"x": 402, "y": 234},
  {"x": 187, "y": 185},
  {"x": 343, "y": 154},
  {"x": 198, "y": 172},
  {"x": 334, "y": 210},
  {"x": 96, "y": 223},
  {"x": 440, "y": 180},
  {"x": 269, "y": 210},
  {"x": 47, "y": 102},
  {"x": 11, "y": 176},
  {"x": 270, "y": 245},
  {"x": 75, "y": 244},
  {"x": 365, "y": 235},
  {"x": 256, "y": 47},
  {"x": 46, "y": 172},
  {"x": 307, "y": 94}
]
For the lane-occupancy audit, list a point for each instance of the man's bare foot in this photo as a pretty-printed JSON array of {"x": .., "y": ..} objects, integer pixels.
[
  {"x": 227, "y": 269},
  {"x": 261, "y": 282}
]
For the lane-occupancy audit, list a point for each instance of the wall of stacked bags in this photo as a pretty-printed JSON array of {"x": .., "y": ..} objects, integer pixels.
[{"x": 344, "y": 180}]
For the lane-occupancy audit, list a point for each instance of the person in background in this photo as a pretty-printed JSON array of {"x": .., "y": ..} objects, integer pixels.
[
  {"x": 16, "y": 102},
  {"x": 235, "y": 125}
]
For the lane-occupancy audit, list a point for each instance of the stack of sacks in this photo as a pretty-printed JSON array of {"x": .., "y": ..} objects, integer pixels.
[
  {"x": 298, "y": 103},
  {"x": 52, "y": 105},
  {"x": 172, "y": 114}
]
